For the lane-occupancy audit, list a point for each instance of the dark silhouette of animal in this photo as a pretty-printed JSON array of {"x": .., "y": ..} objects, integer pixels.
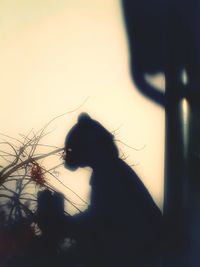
[{"x": 122, "y": 222}]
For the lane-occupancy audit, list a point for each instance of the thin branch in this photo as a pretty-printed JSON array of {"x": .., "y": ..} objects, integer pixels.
[
  {"x": 133, "y": 165},
  {"x": 5, "y": 135},
  {"x": 41, "y": 131},
  {"x": 49, "y": 186},
  {"x": 68, "y": 112},
  {"x": 9, "y": 190},
  {"x": 119, "y": 127},
  {"x": 136, "y": 149},
  {"x": 3, "y": 157},
  {"x": 26, "y": 136},
  {"x": 43, "y": 145},
  {"x": 9, "y": 154},
  {"x": 67, "y": 187},
  {"x": 26, "y": 198},
  {"x": 9, "y": 144},
  {"x": 14, "y": 162},
  {"x": 29, "y": 194},
  {"x": 27, "y": 183},
  {"x": 53, "y": 168},
  {"x": 6, "y": 196},
  {"x": 26, "y": 209},
  {"x": 29, "y": 160},
  {"x": 8, "y": 180}
]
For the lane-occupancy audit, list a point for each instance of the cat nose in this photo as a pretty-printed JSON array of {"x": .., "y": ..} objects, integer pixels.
[{"x": 67, "y": 153}]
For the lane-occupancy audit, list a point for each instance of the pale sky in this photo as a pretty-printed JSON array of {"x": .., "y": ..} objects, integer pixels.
[{"x": 55, "y": 54}]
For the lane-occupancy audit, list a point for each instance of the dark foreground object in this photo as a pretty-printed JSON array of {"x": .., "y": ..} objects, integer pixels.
[{"x": 122, "y": 224}]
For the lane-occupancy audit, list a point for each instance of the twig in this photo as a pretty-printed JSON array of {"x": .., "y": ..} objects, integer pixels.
[{"x": 29, "y": 160}]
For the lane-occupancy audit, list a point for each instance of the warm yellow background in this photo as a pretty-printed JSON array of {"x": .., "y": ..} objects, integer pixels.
[{"x": 56, "y": 53}]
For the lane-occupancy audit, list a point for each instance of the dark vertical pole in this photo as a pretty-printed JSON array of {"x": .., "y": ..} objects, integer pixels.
[
  {"x": 176, "y": 170},
  {"x": 182, "y": 190},
  {"x": 176, "y": 158},
  {"x": 171, "y": 44},
  {"x": 194, "y": 182}
]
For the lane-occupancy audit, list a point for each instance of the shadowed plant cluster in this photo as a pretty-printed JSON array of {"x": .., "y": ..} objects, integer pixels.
[{"x": 23, "y": 177}]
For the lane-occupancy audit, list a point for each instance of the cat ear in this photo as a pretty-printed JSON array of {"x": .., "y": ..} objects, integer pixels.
[{"x": 84, "y": 118}]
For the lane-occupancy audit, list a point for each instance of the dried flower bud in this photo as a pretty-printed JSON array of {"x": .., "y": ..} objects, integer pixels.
[{"x": 37, "y": 174}]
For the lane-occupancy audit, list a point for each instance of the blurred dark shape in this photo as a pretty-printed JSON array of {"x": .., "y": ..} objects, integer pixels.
[
  {"x": 50, "y": 218},
  {"x": 4, "y": 239},
  {"x": 122, "y": 225},
  {"x": 50, "y": 212},
  {"x": 16, "y": 236},
  {"x": 53, "y": 246},
  {"x": 146, "y": 28},
  {"x": 164, "y": 38},
  {"x": 41, "y": 239}
]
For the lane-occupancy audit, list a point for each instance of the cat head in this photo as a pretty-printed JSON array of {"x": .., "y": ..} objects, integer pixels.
[{"x": 87, "y": 143}]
